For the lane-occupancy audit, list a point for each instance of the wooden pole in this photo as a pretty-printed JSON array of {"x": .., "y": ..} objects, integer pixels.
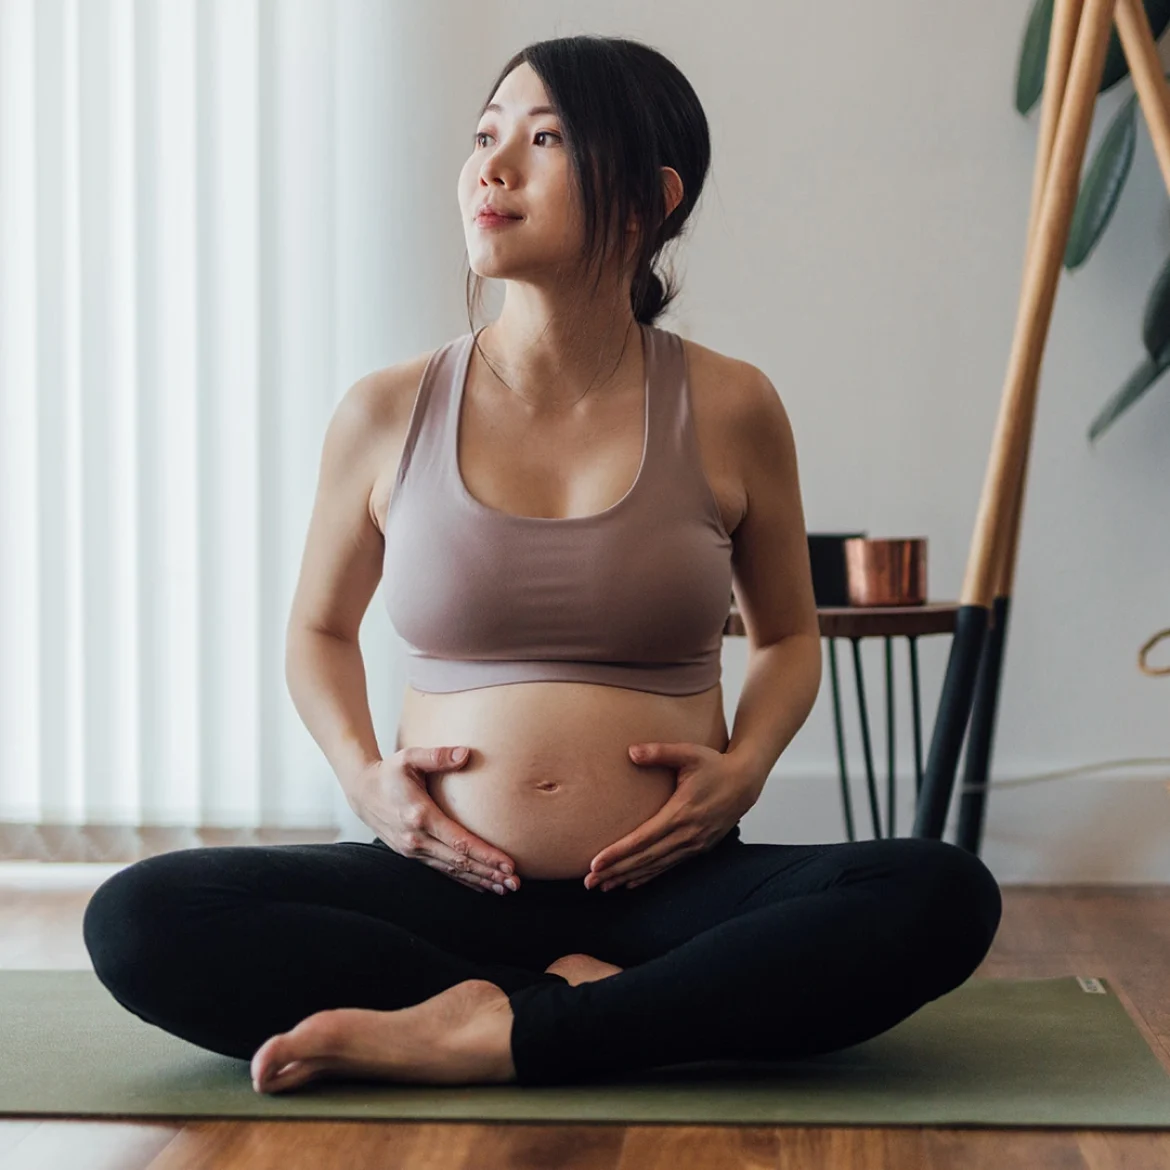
[
  {"x": 981, "y": 734},
  {"x": 1039, "y": 295},
  {"x": 1017, "y": 410},
  {"x": 1149, "y": 79},
  {"x": 1065, "y": 19}
]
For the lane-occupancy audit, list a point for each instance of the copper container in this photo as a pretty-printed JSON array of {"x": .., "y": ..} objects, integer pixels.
[{"x": 886, "y": 572}]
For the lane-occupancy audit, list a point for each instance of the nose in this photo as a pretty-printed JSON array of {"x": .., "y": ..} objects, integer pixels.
[{"x": 496, "y": 167}]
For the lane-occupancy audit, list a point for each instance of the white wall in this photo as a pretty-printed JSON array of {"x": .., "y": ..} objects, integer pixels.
[{"x": 860, "y": 240}]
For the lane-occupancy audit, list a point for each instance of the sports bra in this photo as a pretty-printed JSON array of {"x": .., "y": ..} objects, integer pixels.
[{"x": 635, "y": 596}]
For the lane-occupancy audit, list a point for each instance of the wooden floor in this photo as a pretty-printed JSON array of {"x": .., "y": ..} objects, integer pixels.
[{"x": 1120, "y": 933}]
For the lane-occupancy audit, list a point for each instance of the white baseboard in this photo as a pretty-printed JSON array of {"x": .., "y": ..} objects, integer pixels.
[{"x": 1091, "y": 830}]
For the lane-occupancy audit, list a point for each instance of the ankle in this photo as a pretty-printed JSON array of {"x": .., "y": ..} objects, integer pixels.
[{"x": 484, "y": 1042}]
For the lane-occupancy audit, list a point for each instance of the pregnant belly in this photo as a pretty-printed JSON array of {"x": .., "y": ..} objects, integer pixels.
[{"x": 550, "y": 780}]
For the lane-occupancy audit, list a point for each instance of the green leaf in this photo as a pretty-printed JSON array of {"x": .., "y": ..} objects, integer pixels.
[
  {"x": 1116, "y": 66},
  {"x": 1136, "y": 385},
  {"x": 1156, "y": 323},
  {"x": 1033, "y": 56},
  {"x": 1102, "y": 186},
  {"x": 1034, "y": 51}
]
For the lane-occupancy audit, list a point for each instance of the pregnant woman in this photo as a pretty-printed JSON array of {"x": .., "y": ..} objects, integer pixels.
[{"x": 557, "y": 506}]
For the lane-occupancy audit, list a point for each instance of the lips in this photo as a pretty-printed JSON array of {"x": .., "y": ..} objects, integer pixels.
[{"x": 494, "y": 213}]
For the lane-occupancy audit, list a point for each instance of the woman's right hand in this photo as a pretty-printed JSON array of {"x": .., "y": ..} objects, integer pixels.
[{"x": 392, "y": 798}]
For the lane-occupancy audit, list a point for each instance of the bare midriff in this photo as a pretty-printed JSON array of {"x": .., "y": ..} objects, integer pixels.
[{"x": 550, "y": 780}]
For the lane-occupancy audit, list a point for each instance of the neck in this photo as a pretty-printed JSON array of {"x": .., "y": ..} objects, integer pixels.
[{"x": 556, "y": 361}]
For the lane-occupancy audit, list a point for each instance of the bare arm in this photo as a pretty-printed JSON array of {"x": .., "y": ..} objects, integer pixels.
[
  {"x": 340, "y": 570},
  {"x": 773, "y": 585},
  {"x": 327, "y": 681}
]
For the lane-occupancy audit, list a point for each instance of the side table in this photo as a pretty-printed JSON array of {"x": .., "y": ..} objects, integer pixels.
[{"x": 888, "y": 622}]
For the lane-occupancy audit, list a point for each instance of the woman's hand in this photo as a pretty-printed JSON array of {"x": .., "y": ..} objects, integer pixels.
[
  {"x": 712, "y": 792},
  {"x": 391, "y": 796}
]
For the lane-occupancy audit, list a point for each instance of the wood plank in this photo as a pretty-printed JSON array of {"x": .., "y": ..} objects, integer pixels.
[
  {"x": 207, "y": 1144},
  {"x": 1003, "y": 1149},
  {"x": 520, "y": 1146},
  {"x": 700, "y": 1147},
  {"x": 1121, "y": 1150}
]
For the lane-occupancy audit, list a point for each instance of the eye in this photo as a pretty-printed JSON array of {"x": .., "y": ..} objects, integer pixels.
[{"x": 539, "y": 134}]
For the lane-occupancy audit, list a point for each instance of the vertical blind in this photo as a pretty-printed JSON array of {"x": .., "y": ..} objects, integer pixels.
[{"x": 168, "y": 340}]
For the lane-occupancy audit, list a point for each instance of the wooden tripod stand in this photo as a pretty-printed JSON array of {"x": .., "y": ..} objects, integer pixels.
[{"x": 1076, "y": 57}]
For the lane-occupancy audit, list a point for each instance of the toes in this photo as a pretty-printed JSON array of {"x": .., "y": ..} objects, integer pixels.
[
  {"x": 281, "y": 1061},
  {"x": 313, "y": 1037},
  {"x": 267, "y": 1058},
  {"x": 291, "y": 1076},
  {"x": 275, "y": 1067}
]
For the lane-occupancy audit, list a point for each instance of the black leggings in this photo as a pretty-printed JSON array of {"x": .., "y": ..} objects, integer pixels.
[{"x": 745, "y": 952}]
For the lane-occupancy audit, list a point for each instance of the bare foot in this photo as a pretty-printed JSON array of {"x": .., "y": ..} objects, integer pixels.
[
  {"x": 579, "y": 968},
  {"x": 463, "y": 1035}
]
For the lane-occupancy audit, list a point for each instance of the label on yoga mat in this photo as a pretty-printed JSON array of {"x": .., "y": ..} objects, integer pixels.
[{"x": 1093, "y": 985}]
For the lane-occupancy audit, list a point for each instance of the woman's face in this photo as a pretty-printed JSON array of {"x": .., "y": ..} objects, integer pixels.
[{"x": 519, "y": 161}]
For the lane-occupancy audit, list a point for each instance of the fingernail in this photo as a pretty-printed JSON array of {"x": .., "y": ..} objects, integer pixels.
[
  {"x": 505, "y": 868},
  {"x": 459, "y": 753},
  {"x": 510, "y": 883},
  {"x": 498, "y": 889}
]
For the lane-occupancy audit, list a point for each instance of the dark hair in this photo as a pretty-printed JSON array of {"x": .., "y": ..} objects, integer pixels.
[{"x": 627, "y": 111}]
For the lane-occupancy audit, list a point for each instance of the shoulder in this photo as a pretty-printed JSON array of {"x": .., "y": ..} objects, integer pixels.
[
  {"x": 382, "y": 402},
  {"x": 738, "y": 392},
  {"x": 386, "y": 396},
  {"x": 737, "y": 401}
]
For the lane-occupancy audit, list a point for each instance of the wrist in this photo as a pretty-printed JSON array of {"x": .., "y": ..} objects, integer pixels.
[
  {"x": 750, "y": 767},
  {"x": 356, "y": 778}
]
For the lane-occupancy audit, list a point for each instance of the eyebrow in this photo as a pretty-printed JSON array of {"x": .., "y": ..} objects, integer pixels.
[{"x": 531, "y": 113}]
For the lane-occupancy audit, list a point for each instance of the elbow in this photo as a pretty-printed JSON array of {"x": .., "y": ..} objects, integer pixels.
[
  {"x": 816, "y": 666},
  {"x": 803, "y": 662},
  {"x": 294, "y": 643},
  {"x": 807, "y": 666}
]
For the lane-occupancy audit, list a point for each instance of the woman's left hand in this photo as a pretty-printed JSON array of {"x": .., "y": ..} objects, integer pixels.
[{"x": 712, "y": 792}]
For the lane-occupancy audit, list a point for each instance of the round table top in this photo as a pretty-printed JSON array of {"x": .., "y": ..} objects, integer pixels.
[{"x": 889, "y": 621}]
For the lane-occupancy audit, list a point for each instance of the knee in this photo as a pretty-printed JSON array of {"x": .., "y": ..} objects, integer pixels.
[
  {"x": 125, "y": 922},
  {"x": 959, "y": 900}
]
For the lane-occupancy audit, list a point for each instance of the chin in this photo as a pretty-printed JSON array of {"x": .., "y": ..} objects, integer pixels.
[{"x": 494, "y": 267}]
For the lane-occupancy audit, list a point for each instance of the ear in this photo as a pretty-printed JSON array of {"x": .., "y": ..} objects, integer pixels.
[
  {"x": 673, "y": 183},
  {"x": 674, "y": 188}
]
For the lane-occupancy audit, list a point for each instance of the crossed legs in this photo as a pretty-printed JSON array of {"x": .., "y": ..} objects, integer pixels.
[{"x": 746, "y": 952}]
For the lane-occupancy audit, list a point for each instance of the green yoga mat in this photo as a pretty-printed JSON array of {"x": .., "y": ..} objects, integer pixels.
[{"x": 993, "y": 1052}]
